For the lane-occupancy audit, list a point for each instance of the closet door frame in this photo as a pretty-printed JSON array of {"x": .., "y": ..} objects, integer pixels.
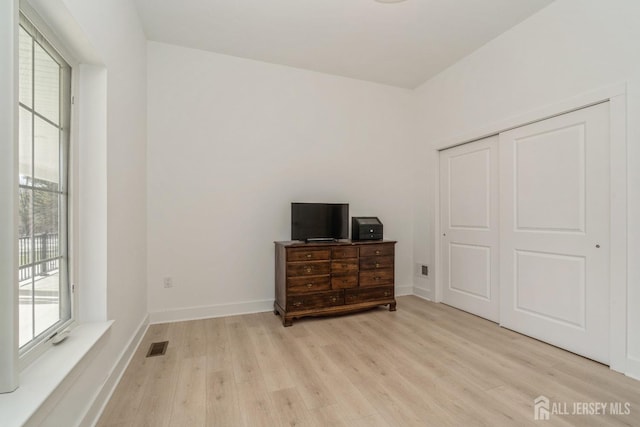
[{"x": 616, "y": 95}]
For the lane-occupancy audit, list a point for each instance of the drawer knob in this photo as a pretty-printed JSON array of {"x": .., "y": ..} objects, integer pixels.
[
  {"x": 297, "y": 303},
  {"x": 377, "y": 252},
  {"x": 309, "y": 285},
  {"x": 309, "y": 269},
  {"x": 376, "y": 278},
  {"x": 377, "y": 265},
  {"x": 386, "y": 293},
  {"x": 334, "y": 299},
  {"x": 309, "y": 255}
]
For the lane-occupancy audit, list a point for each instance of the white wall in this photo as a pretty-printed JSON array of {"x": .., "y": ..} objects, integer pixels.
[
  {"x": 232, "y": 142},
  {"x": 569, "y": 48},
  {"x": 116, "y": 40},
  {"x": 115, "y": 31}
]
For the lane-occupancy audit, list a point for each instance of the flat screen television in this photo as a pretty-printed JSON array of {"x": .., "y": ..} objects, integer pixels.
[{"x": 319, "y": 221}]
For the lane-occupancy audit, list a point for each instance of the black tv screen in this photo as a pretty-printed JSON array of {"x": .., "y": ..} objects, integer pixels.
[{"x": 319, "y": 221}]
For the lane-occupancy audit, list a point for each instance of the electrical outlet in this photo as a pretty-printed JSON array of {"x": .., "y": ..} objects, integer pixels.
[
  {"x": 425, "y": 270},
  {"x": 168, "y": 282}
]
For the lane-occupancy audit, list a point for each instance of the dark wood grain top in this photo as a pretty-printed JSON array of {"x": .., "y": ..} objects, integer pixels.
[{"x": 345, "y": 242}]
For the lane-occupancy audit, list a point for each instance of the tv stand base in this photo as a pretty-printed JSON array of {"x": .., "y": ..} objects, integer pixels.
[{"x": 320, "y": 240}]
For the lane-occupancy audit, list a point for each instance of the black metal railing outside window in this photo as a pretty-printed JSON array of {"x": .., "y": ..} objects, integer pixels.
[{"x": 46, "y": 250}]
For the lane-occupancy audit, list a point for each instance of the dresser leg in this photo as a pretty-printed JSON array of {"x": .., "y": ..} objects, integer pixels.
[
  {"x": 287, "y": 321},
  {"x": 392, "y": 306},
  {"x": 275, "y": 309}
]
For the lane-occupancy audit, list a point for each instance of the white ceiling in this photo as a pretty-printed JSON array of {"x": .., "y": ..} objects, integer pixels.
[{"x": 399, "y": 44}]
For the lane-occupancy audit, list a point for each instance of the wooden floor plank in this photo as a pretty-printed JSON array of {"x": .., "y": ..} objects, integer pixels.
[
  {"x": 189, "y": 400},
  {"x": 274, "y": 371},
  {"x": 309, "y": 382},
  {"x": 218, "y": 349},
  {"x": 255, "y": 403},
  {"x": 244, "y": 361},
  {"x": 290, "y": 409},
  {"x": 223, "y": 407}
]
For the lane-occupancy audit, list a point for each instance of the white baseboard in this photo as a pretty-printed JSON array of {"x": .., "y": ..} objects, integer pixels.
[
  {"x": 633, "y": 368},
  {"x": 404, "y": 290},
  {"x": 207, "y": 312},
  {"x": 422, "y": 293},
  {"x": 106, "y": 391}
]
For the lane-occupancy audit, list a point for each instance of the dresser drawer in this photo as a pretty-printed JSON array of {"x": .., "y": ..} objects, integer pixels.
[
  {"x": 301, "y": 285},
  {"x": 316, "y": 268},
  {"x": 373, "y": 263},
  {"x": 316, "y": 300},
  {"x": 344, "y": 266},
  {"x": 344, "y": 252},
  {"x": 344, "y": 281},
  {"x": 353, "y": 296},
  {"x": 376, "y": 277},
  {"x": 302, "y": 254},
  {"x": 376, "y": 250}
]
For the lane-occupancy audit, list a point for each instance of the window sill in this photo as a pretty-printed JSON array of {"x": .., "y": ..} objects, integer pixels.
[{"x": 40, "y": 379}]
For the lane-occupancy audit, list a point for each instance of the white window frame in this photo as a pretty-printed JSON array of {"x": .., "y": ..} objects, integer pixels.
[{"x": 42, "y": 35}]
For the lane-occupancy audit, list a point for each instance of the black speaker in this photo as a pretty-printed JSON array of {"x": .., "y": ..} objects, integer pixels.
[{"x": 366, "y": 228}]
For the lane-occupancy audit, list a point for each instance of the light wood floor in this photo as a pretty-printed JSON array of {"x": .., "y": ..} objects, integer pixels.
[{"x": 425, "y": 364}]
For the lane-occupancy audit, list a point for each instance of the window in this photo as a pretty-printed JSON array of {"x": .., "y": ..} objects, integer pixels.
[{"x": 44, "y": 116}]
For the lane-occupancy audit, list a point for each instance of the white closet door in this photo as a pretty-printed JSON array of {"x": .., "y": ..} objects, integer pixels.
[
  {"x": 469, "y": 227},
  {"x": 554, "y": 234}
]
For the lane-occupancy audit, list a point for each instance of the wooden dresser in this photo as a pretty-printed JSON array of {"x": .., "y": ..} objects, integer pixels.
[{"x": 314, "y": 279}]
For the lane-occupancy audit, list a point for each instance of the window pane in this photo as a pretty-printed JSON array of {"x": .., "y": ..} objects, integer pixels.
[
  {"x": 24, "y": 232},
  {"x": 47, "y": 85},
  {"x": 47, "y": 155},
  {"x": 26, "y": 67},
  {"x": 25, "y": 313},
  {"x": 46, "y": 250},
  {"x": 25, "y": 136},
  {"x": 45, "y": 223},
  {"x": 46, "y": 296}
]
